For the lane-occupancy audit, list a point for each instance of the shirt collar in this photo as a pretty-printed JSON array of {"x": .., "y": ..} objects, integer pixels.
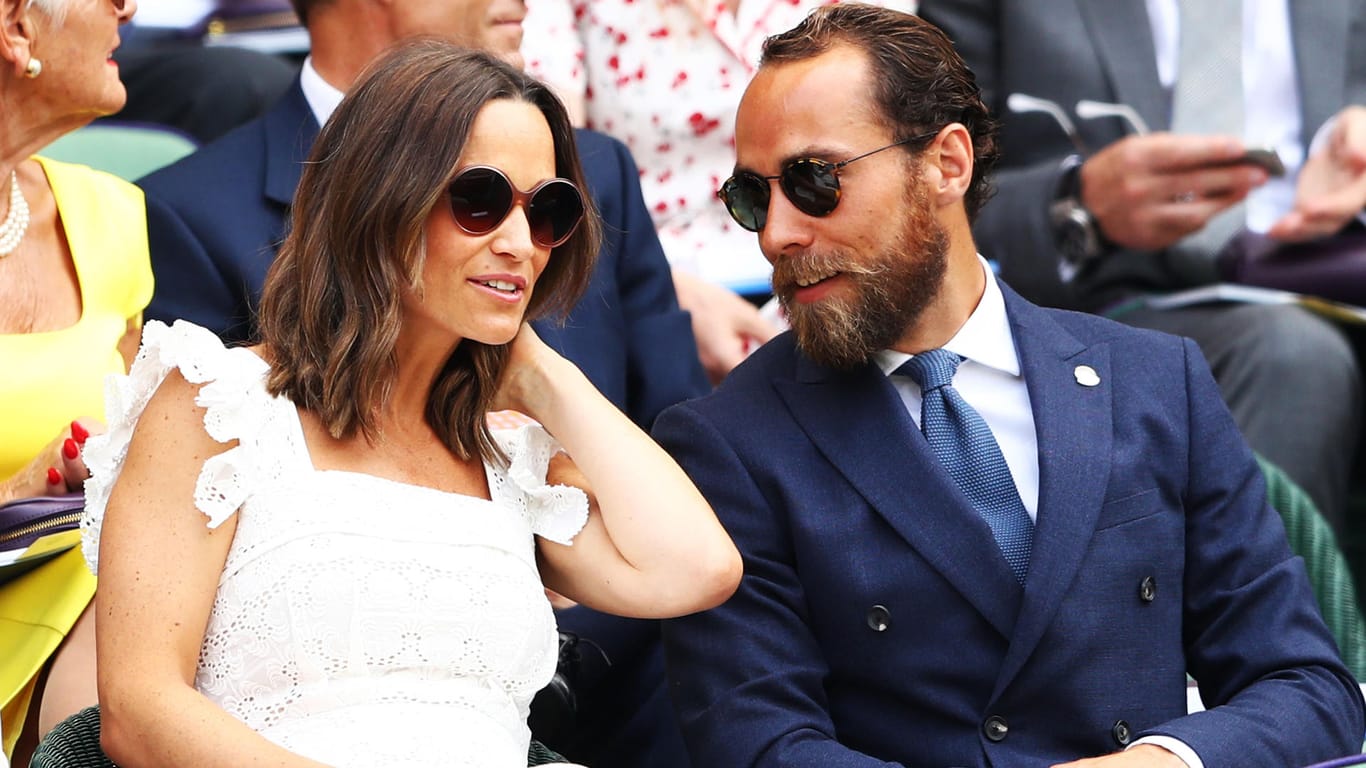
[
  {"x": 985, "y": 338},
  {"x": 321, "y": 96}
]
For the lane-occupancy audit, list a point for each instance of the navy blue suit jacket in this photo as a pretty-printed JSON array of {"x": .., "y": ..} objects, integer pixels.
[
  {"x": 878, "y": 623},
  {"x": 216, "y": 218}
]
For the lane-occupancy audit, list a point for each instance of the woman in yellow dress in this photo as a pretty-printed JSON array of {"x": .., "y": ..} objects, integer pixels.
[{"x": 74, "y": 278}]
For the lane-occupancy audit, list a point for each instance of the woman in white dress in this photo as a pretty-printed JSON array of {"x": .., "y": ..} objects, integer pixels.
[{"x": 315, "y": 551}]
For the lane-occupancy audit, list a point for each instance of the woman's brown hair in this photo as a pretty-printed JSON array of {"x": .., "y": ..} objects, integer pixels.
[{"x": 331, "y": 308}]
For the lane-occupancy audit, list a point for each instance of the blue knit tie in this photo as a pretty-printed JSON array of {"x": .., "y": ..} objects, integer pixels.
[{"x": 965, "y": 445}]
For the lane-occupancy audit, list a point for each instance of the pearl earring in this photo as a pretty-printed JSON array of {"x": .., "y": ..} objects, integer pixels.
[{"x": 34, "y": 68}]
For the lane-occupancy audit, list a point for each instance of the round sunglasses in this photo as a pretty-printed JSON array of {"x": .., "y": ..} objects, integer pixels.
[
  {"x": 812, "y": 185},
  {"x": 482, "y": 197}
]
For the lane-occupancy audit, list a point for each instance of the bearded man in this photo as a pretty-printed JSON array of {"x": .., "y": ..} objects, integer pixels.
[{"x": 976, "y": 532}]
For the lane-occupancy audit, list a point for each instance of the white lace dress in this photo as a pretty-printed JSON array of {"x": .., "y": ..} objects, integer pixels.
[{"x": 358, "y": 621}]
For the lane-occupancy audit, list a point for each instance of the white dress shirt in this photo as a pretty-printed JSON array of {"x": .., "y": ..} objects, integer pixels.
[{"x": 321, "y": 96}]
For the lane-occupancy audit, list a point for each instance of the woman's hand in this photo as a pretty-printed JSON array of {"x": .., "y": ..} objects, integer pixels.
[
  {"x": 531, "y": 371},
  {"x": 58, "y": 468}
]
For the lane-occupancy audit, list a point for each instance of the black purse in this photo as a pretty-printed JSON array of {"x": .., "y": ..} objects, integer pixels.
[
  {"x": 554, "y": 717},
  {"x": 554, "y": 710},
  {"x": 24, "y": 521}
]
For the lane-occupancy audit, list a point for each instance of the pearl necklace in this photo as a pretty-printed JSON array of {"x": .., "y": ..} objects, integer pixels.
[{"x": 15, "y": 226}]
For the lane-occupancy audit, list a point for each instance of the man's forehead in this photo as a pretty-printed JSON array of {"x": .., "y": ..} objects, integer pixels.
[{"x": 801, "y": 106}]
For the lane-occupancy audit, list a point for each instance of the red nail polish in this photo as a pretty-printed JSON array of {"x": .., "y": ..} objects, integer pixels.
[
  {"x": 53, "y": 476},
  {"x": 79, "y": 433},
  {"x": 69, "y": 449}
]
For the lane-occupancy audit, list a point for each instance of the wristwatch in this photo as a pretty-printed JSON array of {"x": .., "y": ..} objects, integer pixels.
[{"x": 1075, "y": 231}]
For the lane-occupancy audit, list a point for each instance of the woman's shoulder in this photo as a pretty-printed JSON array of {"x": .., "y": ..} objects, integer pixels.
[{"x": 184, "y": 372}]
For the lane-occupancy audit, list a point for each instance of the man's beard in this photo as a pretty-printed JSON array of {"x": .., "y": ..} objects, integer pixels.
[{"x": 891, "y": 289}]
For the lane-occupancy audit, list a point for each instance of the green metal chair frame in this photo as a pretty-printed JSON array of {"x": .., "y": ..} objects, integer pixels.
[
  {"x": 1312, "y": 538},
  {"x": 75, "y": 743}
]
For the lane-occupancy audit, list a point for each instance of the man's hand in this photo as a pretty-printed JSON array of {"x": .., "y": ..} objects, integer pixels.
[
  {"x": 1141, "y": 756},
  {"x": 1332, "y": 184},
  {"x": 726, "y": 326},
  {"x": 1148, "y": 192}
]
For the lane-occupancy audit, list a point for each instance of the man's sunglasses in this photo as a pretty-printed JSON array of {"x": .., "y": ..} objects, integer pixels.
[
  {"x": 482, "y": 197},
  {"x": 812, "y": 185}
]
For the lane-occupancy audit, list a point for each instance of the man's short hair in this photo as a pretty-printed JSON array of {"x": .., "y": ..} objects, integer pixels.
[{"x": 920, "y": 83}]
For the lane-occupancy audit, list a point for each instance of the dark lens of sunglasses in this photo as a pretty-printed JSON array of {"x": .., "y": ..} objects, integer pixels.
[
  {"x": 480, "y": 199},
  {"x": 554, "y": 212},
  {"x": 812, "y": 186},
  {"x": 746, "y": 197}
]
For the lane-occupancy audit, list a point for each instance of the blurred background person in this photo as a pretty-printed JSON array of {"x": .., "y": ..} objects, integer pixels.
[
  {"x": 666, "y": 78},
  {"x": 1139, "y": 214},
  {"x": 174, "y": 79},
  {"x": 439, "y": 210},
  {"x": 74, "y": 279}
]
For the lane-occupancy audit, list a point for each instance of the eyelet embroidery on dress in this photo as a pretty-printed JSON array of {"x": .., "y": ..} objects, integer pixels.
[{"x": 351, "y": 605}]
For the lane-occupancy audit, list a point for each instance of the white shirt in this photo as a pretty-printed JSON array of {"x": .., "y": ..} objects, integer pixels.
[
  {"x": 321, "y": 96},
  {"x": 989, "y": 380},
  {"x": 1271, "y": 97}
]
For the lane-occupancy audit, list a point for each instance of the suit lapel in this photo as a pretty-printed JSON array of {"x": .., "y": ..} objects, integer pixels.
[
  {"x": 857, "y": 420},
  {"x": 1073, "y": 424},
  {"x": 1129, "y": 58},
  {"x": 290, "y": 131}
]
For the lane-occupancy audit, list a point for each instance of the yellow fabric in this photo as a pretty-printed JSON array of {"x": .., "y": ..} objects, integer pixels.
[
  {"x": 52, "y": 378},
  {"x": 37, "y": 610},
  {"x": 55, "y": 377}
]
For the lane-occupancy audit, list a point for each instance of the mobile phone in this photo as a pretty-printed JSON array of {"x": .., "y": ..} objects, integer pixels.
[{"x": 1264, "y": 157}]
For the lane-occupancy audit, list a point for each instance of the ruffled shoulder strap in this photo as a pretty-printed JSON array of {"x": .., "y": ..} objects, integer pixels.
[
  {"x": 237, "y": 406},
  {"x": 558, "y": 512}
]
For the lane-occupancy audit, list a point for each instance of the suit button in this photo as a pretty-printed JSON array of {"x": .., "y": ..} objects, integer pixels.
[
  {"x": 995, "y": 728},
  {"x": 1147, "y": 589},
  {"x": 879, "y": 618},
  {"x": 1122, "y": 733}
]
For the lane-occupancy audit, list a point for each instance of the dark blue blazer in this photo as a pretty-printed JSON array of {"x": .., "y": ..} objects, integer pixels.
[
  {"x": 216, "y": 218},
  {"x": 877, "y": 621}
]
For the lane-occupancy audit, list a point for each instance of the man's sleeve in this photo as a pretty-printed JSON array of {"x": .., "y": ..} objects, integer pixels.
[{"x": 1269, "y": 672}]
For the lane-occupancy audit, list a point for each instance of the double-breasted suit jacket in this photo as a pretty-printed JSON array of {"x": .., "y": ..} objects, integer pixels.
[{"x": 878, "y": 623}]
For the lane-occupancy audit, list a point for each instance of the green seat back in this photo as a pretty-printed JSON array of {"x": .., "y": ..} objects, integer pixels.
[
  {"x": 125, "y": 150},
  {"x": 1312, "y": 539}
]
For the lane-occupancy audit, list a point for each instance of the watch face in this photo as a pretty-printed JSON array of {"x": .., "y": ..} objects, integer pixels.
[{"x": 1074, "y": 231}]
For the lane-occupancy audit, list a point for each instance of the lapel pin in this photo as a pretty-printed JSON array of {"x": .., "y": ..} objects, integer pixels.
[{"x": 1086, "y": 376}]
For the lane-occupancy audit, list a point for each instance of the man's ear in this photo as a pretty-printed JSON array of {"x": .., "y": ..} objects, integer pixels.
[
  {"x": 948, "y": 163},
  {"x": 16, "y": 35}
]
